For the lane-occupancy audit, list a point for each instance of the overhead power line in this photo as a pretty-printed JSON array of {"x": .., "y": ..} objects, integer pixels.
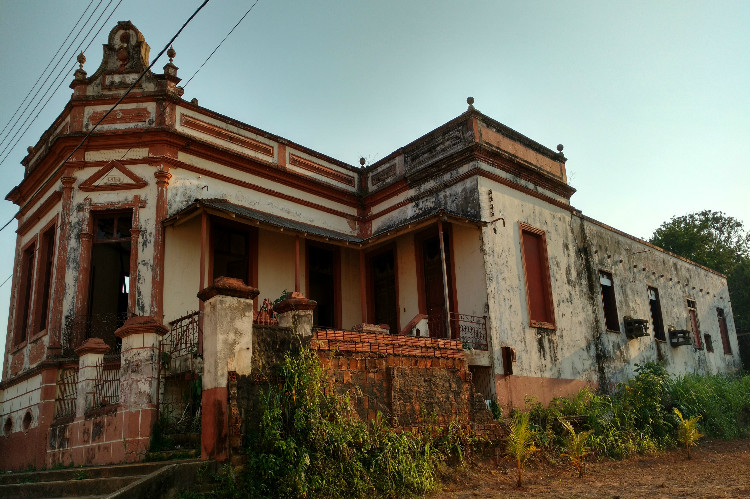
[
  {"x": 47, "y": 101},
  {"x": 220, "y": 44},
  {"x": 59, "y": 48},
  {"x": 83, "y": 140},
  {"x": 55, "y": 83}
]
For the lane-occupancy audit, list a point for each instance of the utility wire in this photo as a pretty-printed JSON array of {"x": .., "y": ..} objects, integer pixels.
[
  {"x": 220, "y": 43},
  {"x": 47, "y": 101},
  {"x": 140, "y": 77},
  {"x": 6, "y": 280},
  {"x": 59, "y": 48},
  {"x": 51, "y": 85}
]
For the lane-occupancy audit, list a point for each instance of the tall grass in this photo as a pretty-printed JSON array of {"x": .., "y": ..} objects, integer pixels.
[{"x": 638, "y": 417}]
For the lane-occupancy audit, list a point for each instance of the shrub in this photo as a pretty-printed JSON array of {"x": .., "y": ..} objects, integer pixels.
[
  {"x": 687, "y": 431},
  {"x": 576, "y": 446},
  {"x": 520, "y": 443}
]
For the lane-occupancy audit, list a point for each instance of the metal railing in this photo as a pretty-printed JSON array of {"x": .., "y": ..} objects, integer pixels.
[
  {"x": 79, "y": 328},
  {"x": 66, "y": 390},
  {"x": 471, "y": 330},
  {"x": 179, "y": 347},
  {"x": 106, "y": 384},
  {"x": 265, "y": 315}
]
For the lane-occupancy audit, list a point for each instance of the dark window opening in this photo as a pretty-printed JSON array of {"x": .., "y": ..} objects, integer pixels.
[
  {"x": 434, "y": 289},
  {"x": 321, "y": 278},
  {"x": 538, "y": 289},
  {"x": 24, "y": 293},
  {"x": 509, "y": 356},
  {"x": 709, "y": 343},
  {"x": 47, "y": 259},
  {"x": 724, "y": 331},
  {"x": 694, "y": 323},
  {"x": 110, "y": 278},
  {"x": 656, "y": 317},
  {"x": 382, "y": 270},
  {"x": 611, "y": 320},
  {"x": 231, "y": 252}
]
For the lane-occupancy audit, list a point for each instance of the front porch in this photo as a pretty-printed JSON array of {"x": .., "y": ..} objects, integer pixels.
[{"x": 422, "y": 278}]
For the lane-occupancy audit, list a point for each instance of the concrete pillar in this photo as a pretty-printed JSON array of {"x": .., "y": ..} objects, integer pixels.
[
  {"x": 139, "y": 382},
  {"x": 139, "y": 364},
  {"x": 296, "y": 312},
  {"x": 227, "y": 346},
  {"x": 90, "y": 353}
]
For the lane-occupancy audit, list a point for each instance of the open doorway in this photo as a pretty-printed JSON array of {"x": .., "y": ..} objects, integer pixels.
[
  {"x": 431, "y": 268},
  {"x": 110, "y": 277},
  {"x": 322, "y": 284}
]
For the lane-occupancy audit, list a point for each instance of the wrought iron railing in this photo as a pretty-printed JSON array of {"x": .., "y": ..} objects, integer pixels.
[
  {"x": 106, "y": 384},
  {"x": 65, "y": 392},
  {"x": 79, "y": 328},
  {"x": 471, "y": 330},
  {"x": 179, "y": 347},
  {"x": 265, "y": 315}
]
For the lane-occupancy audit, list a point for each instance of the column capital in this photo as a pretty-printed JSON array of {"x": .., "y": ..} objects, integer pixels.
[
  {"x": 140, "y": 325},
  {"x": 92, "y": 345},
  {"x": 68, "y": 182},
  {"x": 228, "y": 286},
  {"x": 162, "y": 177}
]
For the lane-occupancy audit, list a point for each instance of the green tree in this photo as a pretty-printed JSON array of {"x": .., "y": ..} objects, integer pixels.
[{"x": 719, "y": 242}]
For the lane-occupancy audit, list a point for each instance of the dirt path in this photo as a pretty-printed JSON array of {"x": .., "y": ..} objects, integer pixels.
[{"x": 719, "y": 469}]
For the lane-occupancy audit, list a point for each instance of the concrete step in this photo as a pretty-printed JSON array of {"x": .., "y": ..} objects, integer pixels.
[
  {"x": 156, "y": 479},
  {"x": 67, "y": 488},
  {"x": 80, "y": 473}
]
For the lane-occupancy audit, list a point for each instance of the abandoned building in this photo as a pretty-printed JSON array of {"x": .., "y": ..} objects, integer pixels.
[{"x": 458, "y": 255}]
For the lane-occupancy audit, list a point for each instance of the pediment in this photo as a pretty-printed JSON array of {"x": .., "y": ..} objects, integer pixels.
[{"x": 114, "y": 176}]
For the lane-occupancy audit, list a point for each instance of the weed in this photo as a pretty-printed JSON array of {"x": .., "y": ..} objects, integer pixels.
[
  {"x": 520, "y": 441},
  {"x": 687, "y": 431},
  {"x": 577, "y": 446},
  {"x": 82, "y": 475}
]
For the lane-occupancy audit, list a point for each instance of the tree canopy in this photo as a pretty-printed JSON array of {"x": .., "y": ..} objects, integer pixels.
[{"x": 719, "y": 242}]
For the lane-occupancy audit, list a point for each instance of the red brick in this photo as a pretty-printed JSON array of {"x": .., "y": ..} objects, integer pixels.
[{"x": 132, "y": 424}]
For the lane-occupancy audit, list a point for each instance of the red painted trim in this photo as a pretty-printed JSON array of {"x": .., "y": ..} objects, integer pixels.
[
  {"x": 58, "y": 289},
  {"x": 271, "y": 192},
  {"x": 522, "y": 227},
  {"x": 215, "y": 424},
  {"x": 162, "y": 177},
  {"x": 38, "y": 282},
  {"x": 202, "y": 279},
  {"x": 136, "y": 182},
  {"x": 20, "y": 338},
  {"x": 43, "y": 209}
]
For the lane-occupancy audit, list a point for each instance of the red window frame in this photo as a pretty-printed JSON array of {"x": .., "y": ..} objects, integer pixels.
[
  {"x": 724, "y": 331},
  {"x": 537, "y": 277}
]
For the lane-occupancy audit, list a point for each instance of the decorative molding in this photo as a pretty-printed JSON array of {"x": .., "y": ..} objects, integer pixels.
[
  {"x": 383, "y": 174},
  {"x": 325, "y": 171},
  {"x": 121, "y": 116},
  {"x": 34, "y": 217},
  {"x": 226, "y": 135},
  {"x": 112, "y": 182}
]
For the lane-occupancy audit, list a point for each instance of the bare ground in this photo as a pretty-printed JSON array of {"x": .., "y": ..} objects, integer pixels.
[{"x": 718, "y": 469}]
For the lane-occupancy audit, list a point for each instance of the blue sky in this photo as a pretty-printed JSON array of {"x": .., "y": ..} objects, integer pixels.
[{"x": 650, "y": 98}]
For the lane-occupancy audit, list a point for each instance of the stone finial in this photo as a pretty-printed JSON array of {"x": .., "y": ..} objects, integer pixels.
[
  {"x": 362, "y": 161},
  {"x": 228, "y": 286},
  {"x": 81, "y": 60},
  {"x": 470, "y": 102},
  {"x": 559, "y": 148},
  {"x": 171, "y": 53},
  {"x": 30, "y": 149}
]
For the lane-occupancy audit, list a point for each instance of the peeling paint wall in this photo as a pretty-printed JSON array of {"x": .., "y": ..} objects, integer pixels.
[{"x": 580, "y": 347}]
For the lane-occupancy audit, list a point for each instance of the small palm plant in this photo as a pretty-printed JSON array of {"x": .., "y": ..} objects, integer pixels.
[
  {"x": 521, "y": 441},
  {"x": 577, "y": 446},
  {"x": 687, "y": 431}
]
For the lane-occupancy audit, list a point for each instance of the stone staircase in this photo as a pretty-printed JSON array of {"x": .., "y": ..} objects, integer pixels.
[{"x": 148, "y": 480}]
